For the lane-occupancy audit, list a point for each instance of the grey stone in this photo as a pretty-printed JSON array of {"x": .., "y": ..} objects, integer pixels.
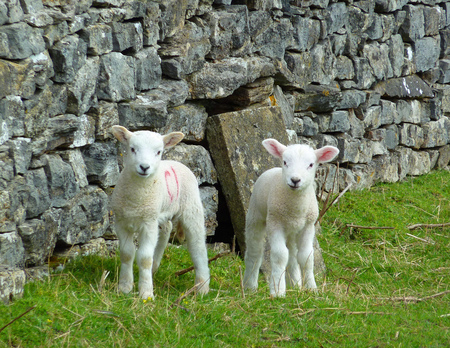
[
  {"x": 81, "y": 92},
  {"x": 196, "y": 158},
  {"x": 21, "y": 154},
  {"x": 18, "y": 78},
  {"x": 352, "y": 99},
  {"x": 84, "y": 218},
  {"x": 12, "y": 115},
  {"x": 101, "y": 163},
  {"x": 23, "y": 41},
  {"x": 286, "y": 107},
  {"x": 106, "y": 115},
  {"x": 339, "y": 121},
  {"x": 392, "y": 137},
  {"x": 335, "y": 17},
  {"x": 85, "y": 133},
  {"x": 150, "y": 28},
  {"x": 68, "y": 56},
  {"x": 396, "y": 50},
  {"x": 317, "y": 99},
  {"x": 272, "y": 41},
  {"x": 230, "y": 32},
  {"x": 436, "y": 133},
  {"x": 76, "y": 160},
  {"x": 378, "y": 57},
  {"x": 127, "y": 35},
  {"x": 306, "y": 32},
  {"x": 148, "y": 69},
  {"x": 411, "y": 135},
  {"x": 405, "y": 87},
  {"x": 363, "y": 73},
  {"x": 39, "y": 239},
  {"x": 12, "y": 282},
  {"x": 143, "y": 112},
  {"x": 61, "y": 180},
  {"x": 344, "y": 68},
  {"x": 210, "y": 200},
  {"x": 11, "y": 250},
  {"x": 444, "y": 69},
  {"x": 98, "y": 38},
  {"x": 386, "y": 168},
  {"x": 426, "y": 52},
  {"x": 390, "y": 5},
  {"x": 389, "y": 112},
  {"x": 413, "y": 27},
  {"x": 189, "y": 119},
  {"x": 444, "y": 156},
  {"x": 116, "y": 80},
  {"x": 432, "y": 19},
  {"x": 413, "y": 162},
  {"x": 221, "y": 79}
]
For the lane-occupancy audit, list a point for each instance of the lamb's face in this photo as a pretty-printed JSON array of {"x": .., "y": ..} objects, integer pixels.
[
  {"x": 144, "y": 151},
  {"x": 299, "y": 164}
]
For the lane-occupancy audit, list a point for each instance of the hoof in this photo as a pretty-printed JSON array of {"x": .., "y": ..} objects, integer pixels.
[{"x": 125, "y": 287}]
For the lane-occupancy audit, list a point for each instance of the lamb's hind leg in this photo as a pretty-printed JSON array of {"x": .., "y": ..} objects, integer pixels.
[
  {"x": 127, "y": 252},
  {"x": 306, "y": 256},
  {"x": 294, "y": 276},
  {"x": 163, "y": 238},
  {"x": 194, "y": 229},
  {"x": 279, "y": 255},
  {"x": 254, "y": 241}
]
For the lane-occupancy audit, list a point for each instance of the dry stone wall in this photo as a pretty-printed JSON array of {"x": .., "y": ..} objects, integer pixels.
[{"x": 370, "y": 77}]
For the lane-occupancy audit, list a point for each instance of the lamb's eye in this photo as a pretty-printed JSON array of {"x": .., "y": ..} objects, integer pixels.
[
  {"x": 285, "y": 164},
  {"x": 158, "y": 153},
  {"x": 311, "y": 165},
  {"x": 133, "y": 150}
]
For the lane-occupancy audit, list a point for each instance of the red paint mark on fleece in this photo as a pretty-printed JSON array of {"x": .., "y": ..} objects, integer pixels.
[{"x": 168, "y": 177}]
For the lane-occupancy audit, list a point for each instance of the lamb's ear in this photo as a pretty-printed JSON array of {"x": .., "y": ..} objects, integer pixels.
[
  {"x": 274, "y": 147},
  {"x": 326, "y": 154},
  {"x": 121, "y": 133},
  {"x": 172, "y": 139}
]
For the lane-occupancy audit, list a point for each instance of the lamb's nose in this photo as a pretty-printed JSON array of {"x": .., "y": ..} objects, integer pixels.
[
  {"x": 144, "y": 168},
  {"x": 295, "y": 181}
]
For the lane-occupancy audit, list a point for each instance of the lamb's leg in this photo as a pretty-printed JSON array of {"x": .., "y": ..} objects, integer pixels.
[
  {"x": 148, "y": 237},
  {"x": 306, "y": 256},
  {"x": 294, "y": 276},
  {"x": 127, "y": 252},
  {"x": 194, "y": 228},
  {"x": 254, "y": 241},
  {"x": 163, "y": 238},
  {"x": 279, "y": 255}
]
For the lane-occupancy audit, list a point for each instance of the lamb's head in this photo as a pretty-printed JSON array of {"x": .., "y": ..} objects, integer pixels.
[
  {"x": 299, "y": 162},
  {"x": 144, "y": 148}
]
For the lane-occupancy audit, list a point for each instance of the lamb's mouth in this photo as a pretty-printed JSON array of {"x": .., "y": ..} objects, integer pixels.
[{"x": 293, "y": 187}]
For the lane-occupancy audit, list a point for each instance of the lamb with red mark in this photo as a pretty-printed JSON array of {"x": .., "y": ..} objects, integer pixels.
[{"x": 150, "y": 197}]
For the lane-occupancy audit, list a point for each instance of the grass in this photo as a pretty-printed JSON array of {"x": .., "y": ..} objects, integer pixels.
[{"x": 382, "y": 288}]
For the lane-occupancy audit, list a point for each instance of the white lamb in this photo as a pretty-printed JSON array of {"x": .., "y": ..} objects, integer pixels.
[
  {"x": 284, "y": 205},
  {"x": 151, "y": 193}
]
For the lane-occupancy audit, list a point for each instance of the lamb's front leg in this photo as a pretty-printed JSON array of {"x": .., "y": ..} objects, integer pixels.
[
  {"x": 279, "y": 255},
  {"x": 305, "y": 256},
  {"x": 127, "y": 252},
  {"x": 148, "y": 238}
]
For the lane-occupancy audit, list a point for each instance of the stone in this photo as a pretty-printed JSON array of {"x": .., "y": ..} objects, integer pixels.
[
  {"x": 12, "y": 282},
  {"x": 413, "y": 27},
  {"x": 61, "y": 180},
  {"x": 404, "y": 87},
  {"x": 235, "y": 144},
  {"x": 444, "y": 70},
  {"x": 230, "y": 32},
  {"x": 317, "y": 99},
  {"x": 306, "y": 32},
  {"x": 189, "y": 118},
  {"x": 68, "y": 56},
  {"x": 210, "y": 200},
  {"x": 116, "y": 81},
  {"x": 444, "y": 156},
  {"x": 436, "y": 133},
  {"x": 101, "y": 163},
  {"x": 11, "y": 250},
  {"x": 39, "y": 239},
  {"x": 148, "y": 69},
  {"x": 21, "y": 154},
  {"x": 339, "y": 121},
  {"x": 396, "y": 49},
  {"x": 426, "y": 53},
  {"x": 127, "y": 35},
  {"x": 84, "y": 218},
  {"x": 106, "y": 115},
  {"x": 222, "y": 78},
  {"x": 378, "y": 57},
  {"x": 98, "y": 38},
  {"x": 81, "y": 93},
  {"x": 272, "y": 41},
  {"x": 22, "y": 41},
  {"x": 411, "y": 135},
  {"x": 143, "y": 112}
]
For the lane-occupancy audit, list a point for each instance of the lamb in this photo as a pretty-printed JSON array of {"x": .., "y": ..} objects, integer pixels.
[
  {"x": 151, "y": 194},
  {"x": 284, "y": 206}
]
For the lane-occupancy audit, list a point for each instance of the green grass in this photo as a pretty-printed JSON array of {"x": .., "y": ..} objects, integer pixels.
[{"x": 382, "y": 288}]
